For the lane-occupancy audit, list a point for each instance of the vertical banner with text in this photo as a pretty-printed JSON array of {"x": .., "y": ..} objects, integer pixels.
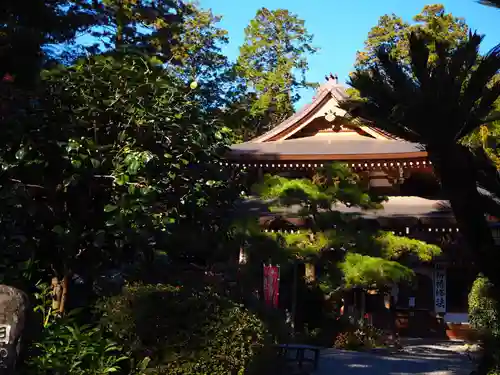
[
  {"x": 271, "y": 285},
  {"x": 440, "y": 288}
]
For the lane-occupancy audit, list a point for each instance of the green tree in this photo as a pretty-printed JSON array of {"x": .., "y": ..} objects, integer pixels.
[
  {"x": 273, "y": 63},
  {"x": 28, "y": 29},
  {"x": 109, "y": 158},
  {"x": 367, "y": 259},
  {"x": 393, "y": 32},
  {"x": 126, "y": 24},
  {"x": 197, "y": 56},
  {"x": 181, "y": 36},
  {"x": 436, "y": 105},
  {"x": 485, "y": 319},
  {"x": 487, "y": 138}
]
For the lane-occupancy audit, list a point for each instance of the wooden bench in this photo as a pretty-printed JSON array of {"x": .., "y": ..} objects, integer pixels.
[{"x": 300, "y": 350}]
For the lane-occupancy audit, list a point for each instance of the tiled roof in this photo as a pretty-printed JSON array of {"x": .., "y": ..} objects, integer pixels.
[
  {"x": 279, "y": 144},
  {"x": 394, "y": 207},
  {"x": 323, "y": 146}
]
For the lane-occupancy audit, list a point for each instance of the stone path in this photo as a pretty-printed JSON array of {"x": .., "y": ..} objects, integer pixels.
[{"x": 417, "y": 357}]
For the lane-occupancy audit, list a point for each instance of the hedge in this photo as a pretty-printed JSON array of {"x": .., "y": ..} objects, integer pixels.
[{"x": 184, "y": 330}]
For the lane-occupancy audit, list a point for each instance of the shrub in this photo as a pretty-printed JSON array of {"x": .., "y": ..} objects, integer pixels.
[
  {"x": 485, "y": 318},
  {"x": 184, "y": 330},
  {"x": 359, "y": 336},
  {"x": 64, "y": 346},
  {"x": 348, "y": 341},
  {"x": 483, "y": 314}
]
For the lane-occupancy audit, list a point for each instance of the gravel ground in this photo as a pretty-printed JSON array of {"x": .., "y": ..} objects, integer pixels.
[{"x": 416, "y": 357}]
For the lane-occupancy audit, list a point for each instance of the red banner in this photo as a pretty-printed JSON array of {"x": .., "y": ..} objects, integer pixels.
[{"x": 271, "y": 285}]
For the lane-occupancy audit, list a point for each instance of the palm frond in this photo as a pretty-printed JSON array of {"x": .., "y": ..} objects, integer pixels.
[
  {"x": 420, "y": 60},
  {"x": 360, "y": 112},
  {"x": 429, "y": 102},
  {"x": 464, "y": 58},
  {"x": 490, "y": 3},
  {"x": 492, "y": 117},
  {"x": 488, "y": 177},
  {"x": 400, "y": 81},
  {"x": 456, "y": 68},
  {"x": 478, "y": 98}
]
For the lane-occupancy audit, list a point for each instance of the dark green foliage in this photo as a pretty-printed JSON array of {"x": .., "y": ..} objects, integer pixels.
[
  {"x": 184, "y": 330},
  {"x": 65, "y": 346},
  {"x": 113, "y": 162},
  {"x": 449, "y": 90},
  {"x": 28, "y": 30},
  {"x": 118, "y": 155},
  {"x": 272, "y": 65},
  {"x": 483, "y": 314},
  {"x": 197, "y": 57},
  {"x": 122, "y": 25},
  {"x": 359, "y": 336},
  {"x": 393, "y": 33},
  {"x": 485, "y": 318},
  {"x": 347, "y": 341},
  {"x": 366, "y": 258},
  {"x": 437, "y": 104}
]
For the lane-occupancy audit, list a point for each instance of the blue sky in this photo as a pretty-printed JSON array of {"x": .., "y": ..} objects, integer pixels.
[{"x": 341, "y": 27}]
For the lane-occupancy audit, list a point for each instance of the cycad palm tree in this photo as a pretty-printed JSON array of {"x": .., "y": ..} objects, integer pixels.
[
  {"x": 435, "y": 104},
  {"x": 491, "y": 3}
]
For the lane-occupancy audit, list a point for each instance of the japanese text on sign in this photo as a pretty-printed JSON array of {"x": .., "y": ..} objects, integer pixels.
[
  {"x": 440, "y": 289},
  {"x": 4, "y": 333}
]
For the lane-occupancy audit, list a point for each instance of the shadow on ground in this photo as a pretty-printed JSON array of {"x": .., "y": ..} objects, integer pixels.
[{"x": 438, "y": 358}]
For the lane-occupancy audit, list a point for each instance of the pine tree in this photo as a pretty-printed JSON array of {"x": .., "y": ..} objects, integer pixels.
[
  {"x": 350, "y": 254},
  {"x": 392, "y": 32},
  {"x": 273, "y": 63}
]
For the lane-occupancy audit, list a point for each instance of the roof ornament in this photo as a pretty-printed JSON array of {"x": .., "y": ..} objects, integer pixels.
[
  {"x": 330, "y": 116},
  {"x": 331, "y": 80},
  {"x": 334, "y": 78}
]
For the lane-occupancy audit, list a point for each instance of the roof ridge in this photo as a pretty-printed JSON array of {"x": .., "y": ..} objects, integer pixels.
[
  {"x": 285, "y": 124},
  {"x": 330, "y": 87}
]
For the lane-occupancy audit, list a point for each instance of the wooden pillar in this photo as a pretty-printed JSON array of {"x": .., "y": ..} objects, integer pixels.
[
  {"x": 294, "y": 295},
  {"x": 260, "y": 175}
]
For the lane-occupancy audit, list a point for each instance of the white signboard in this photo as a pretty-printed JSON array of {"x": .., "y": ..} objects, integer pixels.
[
  {"x": 439, "y": 289},
  {"x": 4, "y": 333}
]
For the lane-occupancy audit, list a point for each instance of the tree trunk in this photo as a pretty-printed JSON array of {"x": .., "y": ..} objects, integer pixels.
[
  {"x": 64, "y": 295},
  {"x": 310, "y": 272},
  {"x": 56, "y": 294},
  {"x": 59, "y": 293},
  {"x": 454, "y": 166}
]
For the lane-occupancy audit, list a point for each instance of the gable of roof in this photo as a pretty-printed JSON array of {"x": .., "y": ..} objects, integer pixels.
[{"x": 323, "y": 105}]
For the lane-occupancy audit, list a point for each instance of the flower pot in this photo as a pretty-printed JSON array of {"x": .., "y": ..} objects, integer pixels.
[{"x": 459, "y": 331}]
